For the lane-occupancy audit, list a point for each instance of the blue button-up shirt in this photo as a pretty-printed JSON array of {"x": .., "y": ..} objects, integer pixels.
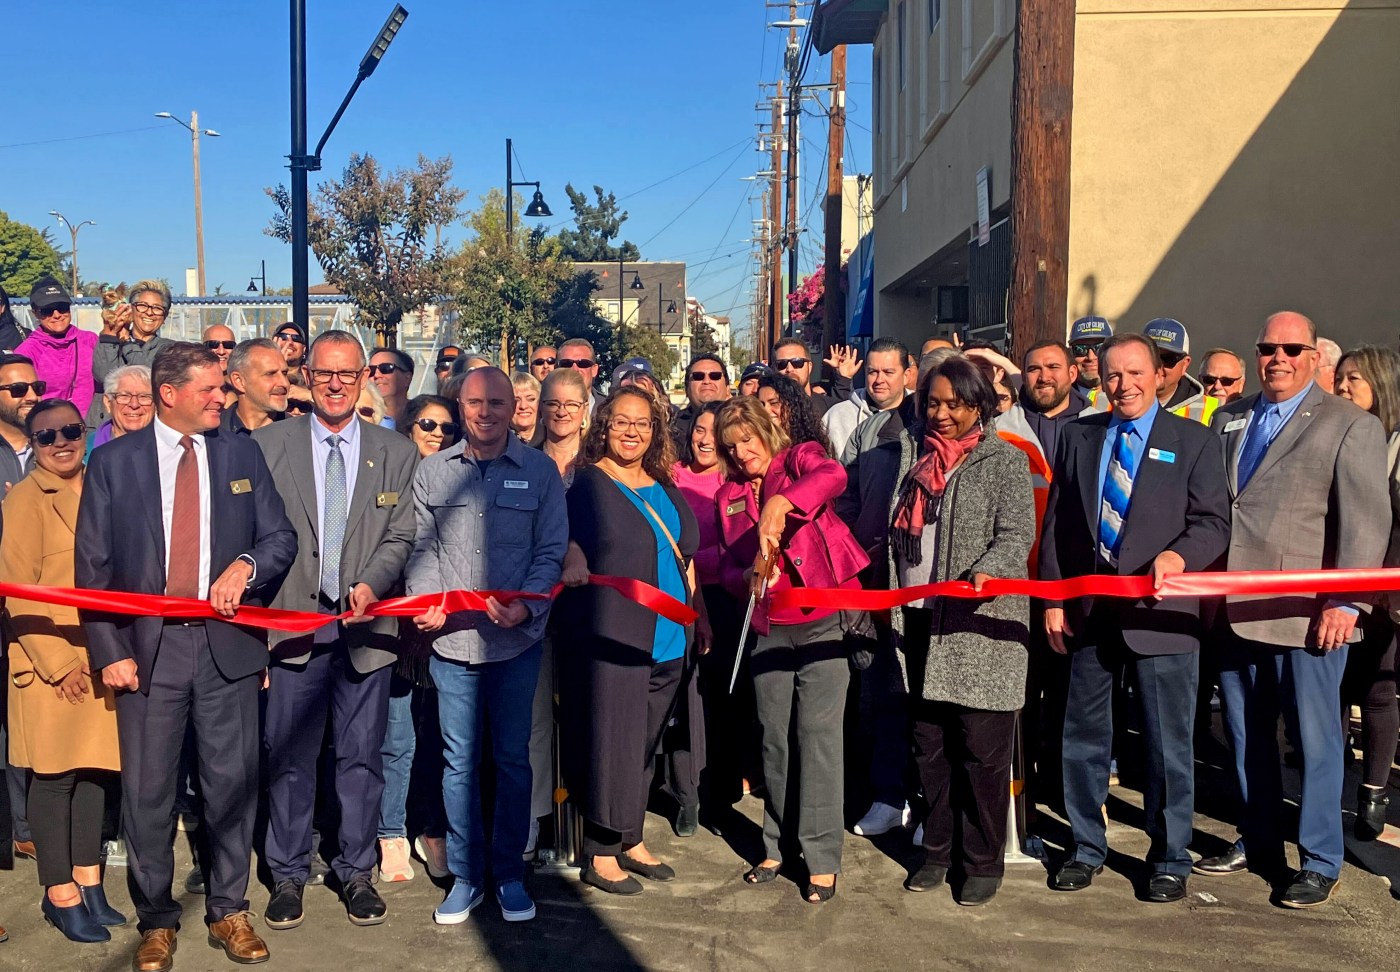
[
  {"x": 1137, "y": 444},
  {"x": 1286, "y": 410}
]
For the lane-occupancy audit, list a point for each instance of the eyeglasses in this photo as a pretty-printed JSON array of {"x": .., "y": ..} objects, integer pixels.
[
  {"x": 1084, "y": 350},
  {"x": 70, "y": 433},
  {"x": 702, "y": 375},
  {"x": 224, "y": 345},
  {"x": 143, "y": 399},
  {"x": 630, "y": 425},
  {"x": 299, "y": 405},
  {"x": 1170, "y": 358},
  {"x": 1220, "y": 380},
  {"x": 53, "y": 309},
  {"x": 386, "y": 368},
  {"x": 346, "y": 377},
  {"x": 541, "y": 362},
  {"x": 21, "y": 388},
  {"x": 556, "y": 405},
  {"x": 783, "y": 364},
  {"x": 144, "y": 308},
  {"x": 449, "y": 429},
  {"x": 1268, "y": 349},
  {"x": 288, "y": 336},
  {"x": 366, "y": 412},
  {"x": 579, "y": 363}
]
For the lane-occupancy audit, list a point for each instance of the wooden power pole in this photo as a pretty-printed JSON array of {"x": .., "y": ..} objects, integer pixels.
[
  {"x": 774, "y": 234},
  {"x": 833, "y": 308},
  {"x": 1041, "y": 108}
]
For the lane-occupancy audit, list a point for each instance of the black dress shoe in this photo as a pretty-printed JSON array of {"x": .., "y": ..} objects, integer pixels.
[
  {"x": 652, "y": 872},
  {"x": 687, "y": 820},
  {"x": 363, "y": 905},
  {"x": 1075, "y": 876},
  {"x": 284, "y": 908},
  {"x": 929, "y": 877},
  {"x": 1231, "y": 862},
  {"x": 1371, "y": 804},
  {"x": 1163, "y": 888},
  {"x": 194, "y": 881},
  {"x": 1308, "y": 890},
  {"x": 977, "y": 890},
  {"x": 627, "y": 886}
]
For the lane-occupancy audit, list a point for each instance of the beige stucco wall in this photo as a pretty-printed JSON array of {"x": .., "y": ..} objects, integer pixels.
[{"x": 1230, "y": 163}]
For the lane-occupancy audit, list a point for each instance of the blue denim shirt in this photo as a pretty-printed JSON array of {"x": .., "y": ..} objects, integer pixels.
[{"x": 503, "y": 526}]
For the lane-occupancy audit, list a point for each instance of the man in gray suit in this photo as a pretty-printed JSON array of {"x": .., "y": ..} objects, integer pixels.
[
  {"x": 1308, "y": 490},
  {"x": 348, "y": 489}
]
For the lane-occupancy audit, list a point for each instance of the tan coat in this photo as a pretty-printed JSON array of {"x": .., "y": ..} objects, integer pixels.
[{"x": 49, "y": 734}]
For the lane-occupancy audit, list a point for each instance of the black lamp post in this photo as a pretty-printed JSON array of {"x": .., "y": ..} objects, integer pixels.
[
  {"x": 670, "y": 309},
  {"x": 253, "y": 281},
  {"x": 301, "y": 163},
  {"x": 537, "y": 209},
  {"x": 636, "y": 285}
]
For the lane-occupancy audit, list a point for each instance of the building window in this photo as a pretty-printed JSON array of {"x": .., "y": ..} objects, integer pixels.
[
  {"x": 935, "y": 14},
  {"x": 899, "y": 55}
]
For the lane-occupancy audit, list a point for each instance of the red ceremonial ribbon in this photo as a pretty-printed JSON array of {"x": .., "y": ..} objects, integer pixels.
[
  {"x": 1199, "y": 584},
  {"x": 301, "y": 622}
]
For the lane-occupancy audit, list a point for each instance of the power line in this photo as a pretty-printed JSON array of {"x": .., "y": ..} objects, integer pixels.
[
  {"x": 75, "y": 138},
  {"x": 698, "y": 197}
]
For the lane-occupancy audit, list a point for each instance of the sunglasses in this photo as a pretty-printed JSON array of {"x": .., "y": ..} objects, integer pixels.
[
  {"x": 580, "y": 363},
  {"x": 289, "y": 336},
  {"x": 299, "y": 405},
  {"x": 541, "y": 362},
  {"x": 1084, "y": 350},
  {"x": 366, "y": 413},
  {"x": 1268, "y": 349},
  {"x": 702, "y": 375},
  {"x": 444, "y": 364},
  {"x": 21, "y": 388},
  {"x": 1220, "y": 380},
  {"x": 53, "y": 309},
  {"x": 783, "y": 364},
  {"x": 224, "y": 345},
  {"x": 70, "y": 433},
  {"x": 449, "y": 429},
  {"x": 387, "y": 368},
  {"x": 1170, "y": 358}
]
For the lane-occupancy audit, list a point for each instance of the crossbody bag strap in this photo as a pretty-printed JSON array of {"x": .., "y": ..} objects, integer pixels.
[{"x": 675, "y": 547}]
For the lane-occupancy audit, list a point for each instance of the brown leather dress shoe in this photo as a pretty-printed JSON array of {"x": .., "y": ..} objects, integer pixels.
[
  {"x": 234, "y": 934},
  {"x": 25, "y": 849},
  {"x": 156, "y": 953}
]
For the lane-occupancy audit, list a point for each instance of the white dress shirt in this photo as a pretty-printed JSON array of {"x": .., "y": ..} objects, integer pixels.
[
  {"x": 320, "y": 453},
  {"x": 168, "y": 453}
]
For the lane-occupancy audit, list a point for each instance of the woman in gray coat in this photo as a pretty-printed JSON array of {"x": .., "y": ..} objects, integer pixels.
[{"x": 964, "y": 510}]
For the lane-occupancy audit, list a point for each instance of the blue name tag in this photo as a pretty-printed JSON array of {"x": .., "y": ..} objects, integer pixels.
[{"x": 1161, "y": 455}]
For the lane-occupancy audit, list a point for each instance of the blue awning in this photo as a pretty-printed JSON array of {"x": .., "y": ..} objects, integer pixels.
[{"x": 860, "y": 290}]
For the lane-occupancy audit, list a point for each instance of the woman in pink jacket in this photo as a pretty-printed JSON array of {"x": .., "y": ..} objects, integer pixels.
[
  {"x": 778, "y": 498},
  {"x": 60, "y": 350}
]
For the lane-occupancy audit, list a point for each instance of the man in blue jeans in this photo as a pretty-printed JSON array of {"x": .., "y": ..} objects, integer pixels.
[{"x": 491, "y": 516}]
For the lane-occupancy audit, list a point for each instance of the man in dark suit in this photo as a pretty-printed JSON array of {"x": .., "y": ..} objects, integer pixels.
[
  {"x": 348, "y": 488},
  {"x": 1135, "y": 491},
  {"x": 181, "y": 510}
]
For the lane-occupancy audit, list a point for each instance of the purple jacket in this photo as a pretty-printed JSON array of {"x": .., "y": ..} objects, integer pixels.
[
  {"x": 64, "y": 362},
  {"x": 818, "y": 549}
]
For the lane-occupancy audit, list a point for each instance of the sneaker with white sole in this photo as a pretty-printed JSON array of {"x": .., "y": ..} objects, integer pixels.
[
  {"x": 395, "y": 864},
  {"x": 531, "y": 839},
  {"x": 515, "y": 901},
  {"x": 432, "y": 851},
  {"x": 881, "y": 818},
  {"x": 458, "y": 904}
]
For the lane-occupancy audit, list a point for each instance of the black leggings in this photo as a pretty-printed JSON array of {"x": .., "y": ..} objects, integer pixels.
[
  {"x": 1370, "y": 683},
  {"x": 65, "y": 815}
]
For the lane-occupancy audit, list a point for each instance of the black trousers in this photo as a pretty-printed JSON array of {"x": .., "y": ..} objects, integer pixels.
[
  {"x": 1370, "y": 683},
  {"x": 731, "y": 724},
  {"x": 186, "y": 686},
  {"x": 66, "y": 810}
]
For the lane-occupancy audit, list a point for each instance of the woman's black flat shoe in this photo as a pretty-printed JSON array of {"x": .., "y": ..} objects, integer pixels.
[
  {"x": 758, "y": 874},
  {"x": 627, "y": 886},
  {"x": 816, "y": 894},
  {"x": 652, "y": 872}
]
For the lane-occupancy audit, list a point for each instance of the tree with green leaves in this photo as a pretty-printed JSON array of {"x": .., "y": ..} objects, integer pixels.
[
  {"x": 26, "y": 254},
  {"x": 370, "y": 232},
  {"x": 596, "y": 225}
]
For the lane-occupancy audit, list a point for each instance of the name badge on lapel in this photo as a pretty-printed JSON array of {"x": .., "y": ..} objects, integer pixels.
[
  {"x": 737, "y": 506},
  {"x": 1236, "y": 424},
  {"x": 240, "y": 486},
  {"x": 516, "y": 484},
  {"x": 386, "y": 499},
  {"x": 1161, "y": 455}
]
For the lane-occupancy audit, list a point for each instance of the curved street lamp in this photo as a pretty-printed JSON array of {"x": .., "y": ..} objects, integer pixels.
[
  {"x": 195, "y": 132},
  {"x": 63, "y": 220}
]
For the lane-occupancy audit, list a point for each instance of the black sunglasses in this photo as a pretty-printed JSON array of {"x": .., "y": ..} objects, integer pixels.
[
  {"x": 702, "y": 375},
  {"x": 1220, "y": 380},
  {"x": 299, "y": 405},
  {"x": 216, "y": 345},
  {"x": 783, "y": 364},
  {"x": 1170, "y": 358},
  {"x": 444, "y": 364},
  {"x": 449, "y": 429},
  {"x": 53, "y": 309},
  {"x": 289, "y": 336},
  {"x": 386, "y": 368},
  {"x": 21, "y": 388},
  {"x": 71, "y": 433},
  {"x": 1084, "y": 350},
  {"x": 580, "y": 363},
  {"x": 1268, "y": 349},
  {"x": 541, "y": 362}
]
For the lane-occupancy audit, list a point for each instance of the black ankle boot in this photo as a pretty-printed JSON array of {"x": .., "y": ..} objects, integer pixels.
[{"x": 1371, "y": 805}]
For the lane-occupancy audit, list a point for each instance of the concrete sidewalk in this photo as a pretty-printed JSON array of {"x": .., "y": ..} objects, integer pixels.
[{"x": 708, "y": 919}]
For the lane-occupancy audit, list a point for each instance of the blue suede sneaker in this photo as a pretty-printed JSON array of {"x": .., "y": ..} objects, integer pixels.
[
  {"x": 515, "y": 902},
  {"x": 458, "y": 904}
]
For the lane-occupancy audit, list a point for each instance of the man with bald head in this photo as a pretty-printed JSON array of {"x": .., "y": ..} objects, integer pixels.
[
  {"x": 220, "y": 339},
  {"x": 1308, "y": 486}
]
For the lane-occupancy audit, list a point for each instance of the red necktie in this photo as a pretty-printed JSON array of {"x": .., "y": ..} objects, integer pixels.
[{"x": 182, "y": 573}]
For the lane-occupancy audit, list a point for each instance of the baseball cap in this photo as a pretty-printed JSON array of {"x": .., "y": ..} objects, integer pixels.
[
  {"x": 1168, "y": 334},
  {"x": 756, "y": 370},
  {"x": 446, "y": 355},
  {"x": 630, "y": 365},
  {"x": 290, "y": 326},
  {"x": 1090, "y": 329},
  {"x": 48, "y": 292}
]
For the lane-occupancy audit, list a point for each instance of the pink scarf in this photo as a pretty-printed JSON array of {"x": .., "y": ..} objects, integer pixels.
[{"x": 923, "y": 488}]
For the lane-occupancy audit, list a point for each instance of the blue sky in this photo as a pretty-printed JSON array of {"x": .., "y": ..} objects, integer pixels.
[{"x": 621, "y": 93}]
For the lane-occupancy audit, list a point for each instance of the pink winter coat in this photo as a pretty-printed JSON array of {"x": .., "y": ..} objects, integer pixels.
[{"x": 65, "y": 362}]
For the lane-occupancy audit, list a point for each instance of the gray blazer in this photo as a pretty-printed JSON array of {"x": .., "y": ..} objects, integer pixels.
[
  {"x": 378, "y": 536},
  {"x": 1318, "y": 499}
]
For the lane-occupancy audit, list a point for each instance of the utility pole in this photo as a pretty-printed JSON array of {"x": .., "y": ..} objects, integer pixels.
[
  {"x": 833, "y": 309},
  {"x": 198, "y": 206},
  {"x": 775, "y": 246},
  {"x": 794, "y": 109},
  {"x": 301, "y": 167},
  {"x": 1041, "y": 108}
]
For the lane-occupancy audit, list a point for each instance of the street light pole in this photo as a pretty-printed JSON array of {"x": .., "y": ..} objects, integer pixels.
[
  {"x": 195, "y": 132},
  {"x": 535, "y": 210},
  {"x": 73, "y": 230}
]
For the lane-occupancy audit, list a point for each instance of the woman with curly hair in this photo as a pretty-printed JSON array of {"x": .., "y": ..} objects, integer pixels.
[
  {"x": 621, "y": 665},
  {"x": 792, "y": 409}
]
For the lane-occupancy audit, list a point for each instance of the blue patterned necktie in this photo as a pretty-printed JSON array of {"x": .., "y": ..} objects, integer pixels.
[
  {"x": 333, "y": 521},
  {"x": 1256, "y": 442},
  {"x": 1117, "y": 495}
]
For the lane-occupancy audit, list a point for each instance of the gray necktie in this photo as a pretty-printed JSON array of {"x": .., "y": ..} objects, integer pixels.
[{"x": 333, "y": 523}]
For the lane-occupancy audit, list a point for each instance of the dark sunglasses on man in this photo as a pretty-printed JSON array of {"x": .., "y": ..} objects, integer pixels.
[
  {"x": 289, "y": 335},
  {"x": 445, "y": 364},
  {"x": 702, "y": 375},
  {"x": 1268, "y": 349},
  {"x": 386, "y": 368},
  {"x": 1220, "y": 380},
  {"x": 541, "y": 362},
  {"x": 298, "y": 406},
  {"x": 1084, "y": 350},
  {"x": 449, "y": 429},
  {"x": 783, "y": 364},
  {"x": 1170, "y": 359},
  {"x": 584, "y": 363},
  {"x": 19, "y": 389},
  {"x": 217, "y": 345},
  {"x": 71, "y": 433}
]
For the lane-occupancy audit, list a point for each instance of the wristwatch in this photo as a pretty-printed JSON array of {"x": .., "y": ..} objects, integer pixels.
[{"x": 253, "y": 564}]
